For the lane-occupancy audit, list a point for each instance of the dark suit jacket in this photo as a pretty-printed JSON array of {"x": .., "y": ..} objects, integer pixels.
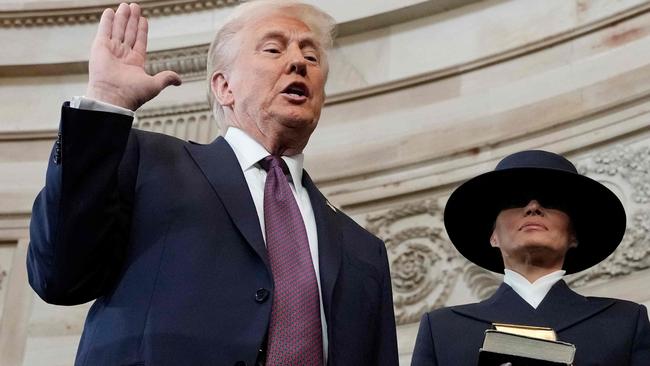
[
  {"x": 165, "y": 236},
  {"x": 606, "y": 332}
]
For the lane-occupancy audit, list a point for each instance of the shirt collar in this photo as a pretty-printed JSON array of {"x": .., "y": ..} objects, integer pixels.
[
  {"x": 249, "y": 152},
  {"x": 534, "y": 292}
]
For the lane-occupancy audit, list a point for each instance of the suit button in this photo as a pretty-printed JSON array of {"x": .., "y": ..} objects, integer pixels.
[
  {"x": 240, "y": 363},
  {"x": 261, "y": 295}
]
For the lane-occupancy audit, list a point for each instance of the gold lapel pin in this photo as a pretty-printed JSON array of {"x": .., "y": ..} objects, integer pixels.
[{"x": 331, "y": 205}]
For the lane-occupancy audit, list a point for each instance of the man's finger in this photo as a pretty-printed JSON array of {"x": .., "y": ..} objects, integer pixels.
[
  {"x": 140, "y": 45},
  {"x": 119, "y": 24},
  {"x": 167, "y": 78},
  {"x": 105, "y": 27},
  {"x": 132, "y": 25}
]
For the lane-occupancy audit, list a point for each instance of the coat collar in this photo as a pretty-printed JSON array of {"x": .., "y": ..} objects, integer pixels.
[
  {"x": 219, "y": 164},
  {"x": 561, "y": 308}
]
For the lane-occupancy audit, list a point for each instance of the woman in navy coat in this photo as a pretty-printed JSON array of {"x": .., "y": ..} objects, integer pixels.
[{"x": 535, "y": 219}]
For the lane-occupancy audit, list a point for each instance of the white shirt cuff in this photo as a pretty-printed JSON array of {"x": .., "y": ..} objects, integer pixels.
[{"x": 80, "y": 102}]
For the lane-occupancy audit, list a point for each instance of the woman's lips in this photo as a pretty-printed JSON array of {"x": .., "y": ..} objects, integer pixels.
[{"x": 532, "y": 226}]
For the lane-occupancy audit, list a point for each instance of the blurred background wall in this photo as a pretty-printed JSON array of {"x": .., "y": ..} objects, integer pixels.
[{"x": 423, "y": 94}]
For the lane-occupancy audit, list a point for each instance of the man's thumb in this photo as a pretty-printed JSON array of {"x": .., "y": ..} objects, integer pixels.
[{"x": 167, "y": 78}]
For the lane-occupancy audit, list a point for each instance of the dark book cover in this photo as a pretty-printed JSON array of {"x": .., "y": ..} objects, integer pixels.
[{"x": 487, "y": 358}]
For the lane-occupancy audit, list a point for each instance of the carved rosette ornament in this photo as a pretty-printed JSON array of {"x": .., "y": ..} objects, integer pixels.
[
  {"x": 625, "y": 169},
  {"x": 424, "y": 265}
]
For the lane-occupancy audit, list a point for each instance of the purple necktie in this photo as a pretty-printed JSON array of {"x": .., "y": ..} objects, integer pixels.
[{"x": 295, "y": 336}]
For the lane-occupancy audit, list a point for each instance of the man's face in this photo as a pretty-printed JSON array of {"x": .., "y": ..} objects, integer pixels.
[
  {"x": 532, "y": 234},
  {"x": 277, "y": 81}
]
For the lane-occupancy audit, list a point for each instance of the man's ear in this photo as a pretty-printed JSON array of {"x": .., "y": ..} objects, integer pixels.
[
  {"x": 493, "y": 240},
  {"x": 221, "y": 89}
]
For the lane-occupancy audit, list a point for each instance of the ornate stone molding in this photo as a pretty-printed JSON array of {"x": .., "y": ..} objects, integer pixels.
[
  {"x": 626, "y": 169},
  {"x": 481, "y": 282},
  {"x": 424, "y": 266},
  {"x": 188, "y": 122},
  {"x": 189, "y": 62},
  {"x": 80, "y": 15}
]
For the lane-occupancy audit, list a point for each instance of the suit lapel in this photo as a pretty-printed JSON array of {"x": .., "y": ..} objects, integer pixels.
[
  {"x": 219, "y": 164},
  {"x": 329, "y": 242}
]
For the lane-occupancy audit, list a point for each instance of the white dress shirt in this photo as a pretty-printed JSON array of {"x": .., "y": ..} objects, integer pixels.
[
  {"x": 95, "y": 105},
  {"x": 248, "y": 153},
  {"x": 534, "y": 292}
]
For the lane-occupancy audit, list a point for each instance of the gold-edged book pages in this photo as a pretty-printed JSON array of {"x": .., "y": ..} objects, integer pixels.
[{"x": 527, "y": 330}]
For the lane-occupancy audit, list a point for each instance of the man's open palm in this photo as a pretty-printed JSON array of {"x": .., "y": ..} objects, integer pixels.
[{"x": 117, "y": 59}]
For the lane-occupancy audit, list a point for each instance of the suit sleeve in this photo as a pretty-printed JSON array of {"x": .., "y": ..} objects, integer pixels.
[
  {"x": 387, "y": 353},
  {"x": 424, "y": 353},
  {"x": 80, "y": 219},
  {"x": 641, "y": 346}
]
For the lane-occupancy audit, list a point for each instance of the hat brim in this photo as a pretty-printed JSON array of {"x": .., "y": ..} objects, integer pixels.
[{"x": 597, "y": 215}]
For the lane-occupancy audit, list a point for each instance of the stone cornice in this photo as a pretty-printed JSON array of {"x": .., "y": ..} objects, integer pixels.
[
  {"x": 91, "y": 14},
  {"x": 190, "y": 62},
  {"x": 160, "y": 112}
]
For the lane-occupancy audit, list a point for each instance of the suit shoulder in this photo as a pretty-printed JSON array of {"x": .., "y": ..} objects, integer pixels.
[
  {"x": 351, "y": 226},
  {"x": 450, "y": 311},
  {"x": 619, "y": 304},
  {"x": 145, "y": 137},
  {"x": 158, "y": 146},
  {"x": 446, "y": 321}
]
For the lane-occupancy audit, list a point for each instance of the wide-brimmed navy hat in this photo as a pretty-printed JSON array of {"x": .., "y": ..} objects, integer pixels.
[{"x": 597, "y": 215}]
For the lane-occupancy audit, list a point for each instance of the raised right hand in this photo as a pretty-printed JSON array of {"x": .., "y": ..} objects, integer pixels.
[{"x": 117, "y": 57}]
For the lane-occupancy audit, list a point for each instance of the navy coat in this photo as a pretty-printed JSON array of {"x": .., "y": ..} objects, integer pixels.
[
  {"x": 606, "y": 332},
  {"x": 165, "y": 236}
]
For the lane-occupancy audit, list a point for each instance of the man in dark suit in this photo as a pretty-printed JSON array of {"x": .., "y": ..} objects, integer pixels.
[
  {"x": 537, "y": 219},
  {"x": 219, "y": 254}
]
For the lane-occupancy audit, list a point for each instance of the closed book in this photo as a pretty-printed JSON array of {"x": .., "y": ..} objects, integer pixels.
[
  {"x": 486, "y": 358},
  {"x": 523, "y": 347}
]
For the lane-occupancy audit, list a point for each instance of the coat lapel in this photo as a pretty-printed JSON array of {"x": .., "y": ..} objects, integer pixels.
[
  {"x": 561, "y": 308},
  {"x": 505, "y": 306},
  {"x": 219, "y": 164},
  {"x": 329, "y": 242}
]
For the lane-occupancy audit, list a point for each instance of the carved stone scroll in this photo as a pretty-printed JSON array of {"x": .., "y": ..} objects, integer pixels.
[
  {"x": 481, "y": 282},
  {"x": 424, "y": 266}
]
